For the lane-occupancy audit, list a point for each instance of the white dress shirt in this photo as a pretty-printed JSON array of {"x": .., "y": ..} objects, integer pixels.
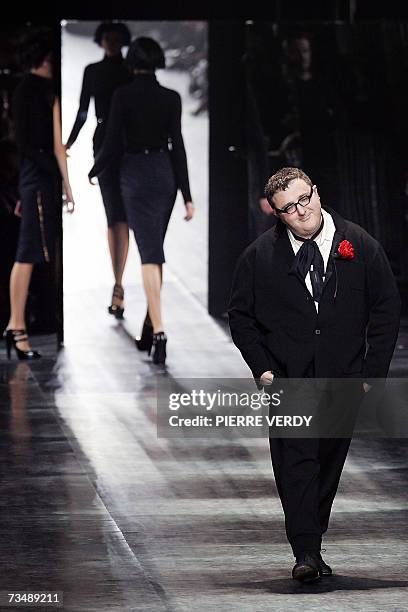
[{"x": 324, "y": 241}]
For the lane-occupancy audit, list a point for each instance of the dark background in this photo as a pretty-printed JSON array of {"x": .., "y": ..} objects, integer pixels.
[
  {"x": 360, "y": 54},
  {"x": 351, "y": 122}
]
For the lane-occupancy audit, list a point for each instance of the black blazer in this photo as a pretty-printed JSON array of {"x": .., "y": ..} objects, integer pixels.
[
  {"x": 144, "y": 115},
  {"x": 273, "y": 319}
]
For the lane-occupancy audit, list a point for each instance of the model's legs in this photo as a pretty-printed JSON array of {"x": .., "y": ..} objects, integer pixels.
[
  {"x": 19, "y": 284},
  {"x": 118, "y": 239},
  {"x": 152, "y": 281},
  {"x": 118, "y": 231}
]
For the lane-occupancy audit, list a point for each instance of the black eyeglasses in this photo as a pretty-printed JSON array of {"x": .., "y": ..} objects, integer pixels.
[{"x": 303, "y": 201}]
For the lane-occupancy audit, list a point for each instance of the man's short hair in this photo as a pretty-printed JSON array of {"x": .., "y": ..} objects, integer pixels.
[{"x": 281, "y": 179}]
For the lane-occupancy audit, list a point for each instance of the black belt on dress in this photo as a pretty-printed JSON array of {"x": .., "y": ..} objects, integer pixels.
[{"x": 147, "y": 150}]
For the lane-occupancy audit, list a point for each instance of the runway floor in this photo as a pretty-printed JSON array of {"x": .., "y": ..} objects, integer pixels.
[{"x": 94, "y": 505}]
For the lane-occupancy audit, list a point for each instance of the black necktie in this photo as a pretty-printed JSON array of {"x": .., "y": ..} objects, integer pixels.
[{"x": 309, "y": 259}]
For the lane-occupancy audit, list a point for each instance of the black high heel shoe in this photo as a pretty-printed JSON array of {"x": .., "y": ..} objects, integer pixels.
[
  {"x": 13, "y": 337},
  {"x": 159, "y": 348},
  {"x": 114, "y": 309},
  {"x": 145, "y": 341}
]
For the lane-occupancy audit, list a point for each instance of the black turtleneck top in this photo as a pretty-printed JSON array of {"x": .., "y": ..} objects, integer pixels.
[
  {"x": 99, "y": 82},
  {"x": 145, "y": 115},
  {"x": 32, "y": 112}
]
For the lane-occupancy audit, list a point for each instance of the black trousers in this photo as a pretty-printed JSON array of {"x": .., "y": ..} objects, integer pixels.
[
  {"x": 307, "y": 473},
  {"x": 307, "y": 470}
]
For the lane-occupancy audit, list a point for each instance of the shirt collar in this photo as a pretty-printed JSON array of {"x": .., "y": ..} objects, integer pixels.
[{"x": 328, "y": 228}]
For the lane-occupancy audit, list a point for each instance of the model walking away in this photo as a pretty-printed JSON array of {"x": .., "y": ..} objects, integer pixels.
[
  {"x": 100, "y": 80},
  {"x": 144, "y": 118},
  {"x": 37, "y": 117}
]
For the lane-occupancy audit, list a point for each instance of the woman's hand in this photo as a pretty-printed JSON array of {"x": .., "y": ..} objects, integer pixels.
[
  {"x": 17, "y": 210},
  {"x": 189, "y": 211},
  {"x": 69, "y": 202}
]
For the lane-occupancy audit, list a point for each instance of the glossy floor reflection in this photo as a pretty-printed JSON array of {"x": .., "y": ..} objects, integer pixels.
[{"x": 95, "y": 505}]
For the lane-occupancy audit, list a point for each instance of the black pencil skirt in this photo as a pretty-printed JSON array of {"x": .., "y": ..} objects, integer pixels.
[
  {"x": 40, "y": 207},
  {"x": 149, "y": 191},
  {"x": 109, "y": 184}
]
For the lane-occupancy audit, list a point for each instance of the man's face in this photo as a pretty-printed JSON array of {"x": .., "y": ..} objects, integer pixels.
[
  {"x": 304, "y": 221},
  {"x": 304, "y": 52}
]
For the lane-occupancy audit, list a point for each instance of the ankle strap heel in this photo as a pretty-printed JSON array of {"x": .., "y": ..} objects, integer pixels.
[
  {"x": 13, "y": 337},
  {"x": 115, "y": 310},
  {"x": 159, "y": 348}
]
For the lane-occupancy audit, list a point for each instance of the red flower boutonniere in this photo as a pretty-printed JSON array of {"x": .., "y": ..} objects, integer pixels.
[{"x": 345, "y": 250}]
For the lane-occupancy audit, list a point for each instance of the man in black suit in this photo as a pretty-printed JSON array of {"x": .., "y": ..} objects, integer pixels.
[{"x": 313, "y": 297}]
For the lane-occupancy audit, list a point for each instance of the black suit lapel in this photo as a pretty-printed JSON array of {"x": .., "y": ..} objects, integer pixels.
[
  {"x": 339, "y": 235},
  {"x": 283, "y": 247}
]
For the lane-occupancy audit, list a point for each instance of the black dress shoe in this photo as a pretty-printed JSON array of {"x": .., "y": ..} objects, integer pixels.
[
  {"x": 324, "y": 569},
  {"x": 306, "y": 568}
]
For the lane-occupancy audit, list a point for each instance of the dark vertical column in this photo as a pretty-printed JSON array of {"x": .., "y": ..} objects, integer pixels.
[
  {"x": 59, "y": 272},
  {"x": 45, "y": 301},
  {"x": 9, "y": 166},
  {"x": 228, "y": 189}
]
